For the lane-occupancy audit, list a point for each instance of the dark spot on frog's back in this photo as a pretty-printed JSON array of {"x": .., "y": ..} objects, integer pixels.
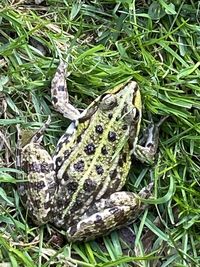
[
  {"x": 99, "y": 169},
  {"x": 112, "y": 136},
  {"x": 89, "y": 185},
  {"x": 72, "y": 186},
  {"x": 104, "y": 151},
  {"x": 89, "y": 149},
  {"x": 99, "y": 129},
  {"x": 79, "y": 166}
]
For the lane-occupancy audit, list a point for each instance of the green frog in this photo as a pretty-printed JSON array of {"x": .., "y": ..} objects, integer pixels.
[{"x": 78, "y": 187}]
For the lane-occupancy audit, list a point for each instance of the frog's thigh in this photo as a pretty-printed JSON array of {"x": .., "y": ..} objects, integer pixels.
[
  {"x": 38, "y": 193},
  {"x": 119, "y": 209}
]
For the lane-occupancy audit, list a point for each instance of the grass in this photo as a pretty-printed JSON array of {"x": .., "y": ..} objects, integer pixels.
[{"x": 155, "y": 43}]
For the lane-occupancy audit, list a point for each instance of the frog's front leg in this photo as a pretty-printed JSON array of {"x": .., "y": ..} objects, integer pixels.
[
  {"x": 119, "y": 209},
  {"x": 146, "y": 149},
  {"x": 60, "y": 96},
  {"x": 39, "y": 189}
]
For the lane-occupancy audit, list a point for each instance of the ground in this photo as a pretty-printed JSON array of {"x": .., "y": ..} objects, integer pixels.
[{"x": 155, "y": 43}]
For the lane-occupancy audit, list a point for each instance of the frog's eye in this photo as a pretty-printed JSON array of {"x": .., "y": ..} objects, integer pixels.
[{"x": 108, "y": 102}]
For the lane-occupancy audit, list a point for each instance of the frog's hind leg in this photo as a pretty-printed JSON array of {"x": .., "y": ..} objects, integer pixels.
[
  {"x": 120, "y": 209},
  {"x": 38, "y": 189},
  {"x": 60, "y": 96}
]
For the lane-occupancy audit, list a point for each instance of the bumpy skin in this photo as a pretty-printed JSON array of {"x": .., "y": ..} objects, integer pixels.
[{"x": 78, "y": 188}]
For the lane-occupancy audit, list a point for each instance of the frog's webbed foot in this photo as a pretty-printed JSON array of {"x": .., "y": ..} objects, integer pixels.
[
  {"x": 60, "y": 96},
  {"x": 120, "y": 209}
]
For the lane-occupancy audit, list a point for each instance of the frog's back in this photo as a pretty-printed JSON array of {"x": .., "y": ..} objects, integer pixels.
[{"x": 94, "y": 161}]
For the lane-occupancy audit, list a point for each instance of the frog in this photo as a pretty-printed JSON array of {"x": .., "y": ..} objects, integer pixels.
[{"x": 79, "y": 187}]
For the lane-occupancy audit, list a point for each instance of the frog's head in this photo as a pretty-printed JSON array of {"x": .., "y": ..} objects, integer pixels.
[
  {"x": 119, "y": 110},
  {"x": 124, "y": 103}
]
